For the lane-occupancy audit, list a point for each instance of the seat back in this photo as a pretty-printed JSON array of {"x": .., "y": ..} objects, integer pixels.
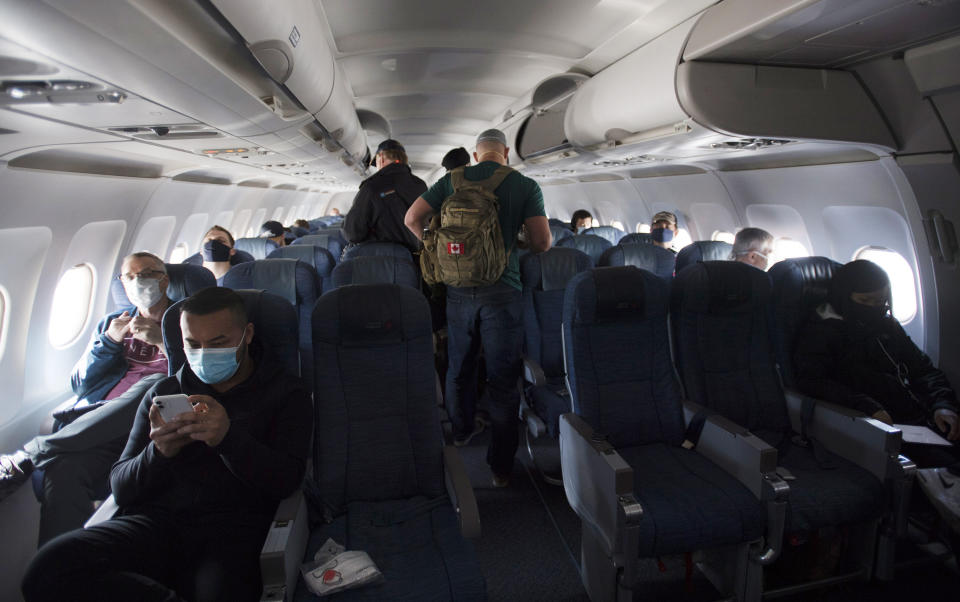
[
  {"x": 258, "y": 248},
  {"x": 377, "y": 430},
  {"x": 592, "y": 245},
  {"x": 553, "y": 221},
  {"x": 318, "y": 258},
  {"x": 637, "y": 237},
  {"x": 560, "y": 232},
  {"x": 185, "y": 280},
  {"x": 799, "y": 286},
  {"x": 331, "y": 243},
  {"x": 646, "y": 257},
  {"x": 545, "y": 277},
  {"x": 390, "y": 249},
  {"x": 722, "y": 344},
  {"x": 372, "y": 269},
  {"x": 290, "y": 279},
  {"x": 703, "y": 250},
  {"x": 617, "y": 356},
  {"x": 237, "y": 257},
  {"x": 611, "y": 233},
  {"x": 274, "y": 323}
]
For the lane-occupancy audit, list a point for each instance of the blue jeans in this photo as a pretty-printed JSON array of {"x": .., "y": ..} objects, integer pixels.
[{"x": 490, "y": 318}]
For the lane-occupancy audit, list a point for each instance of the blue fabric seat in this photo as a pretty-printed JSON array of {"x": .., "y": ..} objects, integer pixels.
[
  {"x": 332, "y": 243},
  {"x": 291, "y": 279},
  {"x": 274, "y": 322},
  {"x": 258, "y": 248},
  {"x": 318, "y": 258},
  {"x": 378, "y": 466},
  {"x": 622, "y": 384},
  {"x": 559, "y": 232},
  {"x": 637, "y": 238},
  {"x": 646, "y": 257},
  {"x": 723, "y": 344},
  {"x": 372, "y": 269},
  {"x": 545, "y": 277},
  {"x": 611, "y": 233},
  {"x": 592, "y": 245},
  {"x": 391, "y": 249},
  {"x": 799, "y": 286},
  {"x": 703, "y": 250},
  {"x": 185, "y": 280}
]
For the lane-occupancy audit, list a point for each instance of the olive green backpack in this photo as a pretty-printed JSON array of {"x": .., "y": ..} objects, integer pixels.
[{"x": 464, "y": 244}]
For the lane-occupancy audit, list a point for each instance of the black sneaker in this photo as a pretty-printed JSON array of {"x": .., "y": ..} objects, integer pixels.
[
  {"x": 15, "y": 469},
  {"x": 500, "y": 481},
  {"x": 462, "y": 440}
]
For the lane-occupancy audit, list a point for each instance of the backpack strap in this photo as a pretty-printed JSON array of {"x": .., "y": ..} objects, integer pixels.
[{"x": 457, "y": 179}]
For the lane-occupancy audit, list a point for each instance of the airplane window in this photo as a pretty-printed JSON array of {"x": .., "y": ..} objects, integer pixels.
[
  {"x": 723, "y": 236},
  {"x": 787, "y": 248},
  {"x": 643, "y": 228},
  {"x": 682, "y": 239},
  {"x": 617, "y": 224},
  {"x": 179, "y": 253},
  {"x": 903, "y": 288},
  {"x": 72, "y": 301}
]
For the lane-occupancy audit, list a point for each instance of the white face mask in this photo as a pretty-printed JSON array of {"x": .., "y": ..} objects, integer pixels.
[{"x": 144, "y": 292}]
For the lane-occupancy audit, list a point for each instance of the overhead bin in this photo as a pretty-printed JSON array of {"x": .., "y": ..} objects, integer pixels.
[
  {"x": 290, "y": 40},
  {"x": 652, "y": 102},
  {"x": 541, "y": 137}
]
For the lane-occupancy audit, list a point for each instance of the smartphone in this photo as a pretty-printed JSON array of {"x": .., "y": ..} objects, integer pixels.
[{"x": 171, "y": 406}]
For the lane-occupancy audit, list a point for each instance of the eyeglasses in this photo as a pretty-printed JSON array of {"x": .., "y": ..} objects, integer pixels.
[{"x": 147, "y": 274}]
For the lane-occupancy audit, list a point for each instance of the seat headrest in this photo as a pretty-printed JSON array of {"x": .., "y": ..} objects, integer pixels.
[
  {"x": 553, "y": 221},
  {"x": 259, "y": 248},
  {"x": 703, "y": 250},
  {"x": 318, "y": 258},
  {"x": 274, "y": 322},
  {"x": 652, "y": 258},
  {"x": 591, "y": 244},
  {"x": 390, "y": 249},
  {"x": 637, "y": 238},
  {"x": 560, "y": 232},
  {"x": 371, "y": 315},
  {"x": 614, "y": 294},
  {"x": 374, "y": 269},
  {"x": 723, "y": 287},
  {"x": 317, "y": 240},
  {"x": 185, "y": 280},
  {"x": 609, "y": 232},
  {"x": 552, "y": 269},
  {"x": 805, "y": 279}
]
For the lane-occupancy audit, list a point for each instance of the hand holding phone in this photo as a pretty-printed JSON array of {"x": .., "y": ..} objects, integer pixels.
[{"x": 170, "y": 406}]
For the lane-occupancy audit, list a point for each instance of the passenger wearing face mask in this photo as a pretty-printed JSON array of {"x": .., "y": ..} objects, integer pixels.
[
  {"x": 580, "y": 221},
  {"x": 217, "y": 253},
  {"x": 854, "y": 352},
  {"x": 196, "y": 494},
  {"x": 663, "y": 229},
  {"x": 753, "y": 246},
  {"x": 124, "y": 358}
]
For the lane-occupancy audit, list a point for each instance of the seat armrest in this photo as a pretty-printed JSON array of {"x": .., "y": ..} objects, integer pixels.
[
  {"x": 598, "y": 484},
  {"x": 533, "y": 372},
  {"x": 535, "y": 425},
  {"x": 736, "y": 450},
  {"x": 107, "y": 509},
  {"x": 868, "y": 443},
  {"x": 461, "y": 492},
  {"x": 283, "y": 549}
]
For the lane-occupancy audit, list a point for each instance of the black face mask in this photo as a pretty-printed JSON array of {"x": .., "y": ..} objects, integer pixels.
[
  {"x": 214, "y": 250},
  {"x": 865, "y": 316}
]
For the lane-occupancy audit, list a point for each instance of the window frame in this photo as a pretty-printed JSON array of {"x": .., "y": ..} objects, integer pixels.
[{"x": 67, "y": 300}]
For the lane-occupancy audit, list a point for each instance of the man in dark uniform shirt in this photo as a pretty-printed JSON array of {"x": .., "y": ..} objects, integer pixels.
[{"x": 383, "y": 199}]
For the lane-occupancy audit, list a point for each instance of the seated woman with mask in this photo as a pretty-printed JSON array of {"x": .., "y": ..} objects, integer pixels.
[
  {"x": 217, "y": 253},
  {"x": 580, "y": 221}
]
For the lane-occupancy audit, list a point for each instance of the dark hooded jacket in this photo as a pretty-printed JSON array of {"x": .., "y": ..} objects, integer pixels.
[
  {"x": 867, "y": 366},
  {"x": 260, "y": 461},
  {"x": 380, "y": 206}
]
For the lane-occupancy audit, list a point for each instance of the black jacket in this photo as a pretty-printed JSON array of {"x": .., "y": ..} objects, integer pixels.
[
  {"x": 882, "y": 369},
  {"x": 380, "y": 205},
  {"x": 260, "y": 461}
]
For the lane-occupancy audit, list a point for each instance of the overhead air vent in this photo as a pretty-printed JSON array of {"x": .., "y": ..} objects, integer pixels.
[
  {"x": 748, "y": 144},
  {"x": 629, "y": 160},
  {"x": 187, "y": 131},
  {"x": 57, "y": 91}
]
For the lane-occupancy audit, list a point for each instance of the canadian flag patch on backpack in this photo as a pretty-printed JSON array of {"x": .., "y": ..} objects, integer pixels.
[{"x": 454, "y": 248}]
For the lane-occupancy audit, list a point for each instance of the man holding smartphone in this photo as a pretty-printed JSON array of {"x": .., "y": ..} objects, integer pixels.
[{"x": 197, "y": 493}]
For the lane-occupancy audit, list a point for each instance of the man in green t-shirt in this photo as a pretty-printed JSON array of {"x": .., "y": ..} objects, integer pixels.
[{"x": 489, "y": 317}]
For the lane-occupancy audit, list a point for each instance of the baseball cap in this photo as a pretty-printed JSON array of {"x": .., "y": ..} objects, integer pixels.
[
  {"x": 492, "y": 135},
  {"x": 664, "y": 216},
  {"x": 390, "y": 144},
  {"x": 271, "y": 229}
]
